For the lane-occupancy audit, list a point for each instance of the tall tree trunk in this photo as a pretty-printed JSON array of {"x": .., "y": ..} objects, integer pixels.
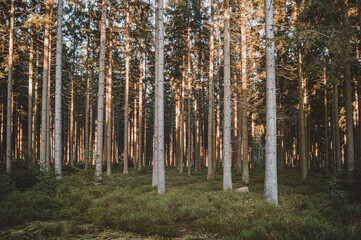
[
  {"x": 108, "y": 121},
  {"x": 211, "y": 96},
  {"x": 337, "y": 147},
  {"x": 227, "y": 177},
  {"x": 10, "y": 89},
  {"x": 301, "y": 117},
  {"x": 86, "y": 140},
  {"x": 350, "y": 155},
  {"x": 126, "y": 101},
  {"x": 140, "y": 119},
  {"x": 245, "y": 168},
  {"x": 270, "y": 185},
  {"x": 45, "y": 89},
  {"x": 98, "y": 164},
  {"x": 189, "y": 100},
  {"x": 181, "y": 140},
  {"x": 30, "y": 99},
  {"x": 48, "y": 112},
  {"x": 326, "y": 114},
  {"x": 160, "y": 91},
  {"x": 155, "y": 176}
]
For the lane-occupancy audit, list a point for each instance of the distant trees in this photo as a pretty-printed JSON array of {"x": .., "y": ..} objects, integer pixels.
[{"x": 199, "y": 90}]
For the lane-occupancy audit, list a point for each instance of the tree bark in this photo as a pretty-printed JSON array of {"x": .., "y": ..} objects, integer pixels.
[
  {"x": 126, "y": 101},
  {"x": 211, "y": 97},
  {"x": 10, "y": 89},
  {"x": 227, "y": 177},
  {"x": 108, "y": 121},
  {"x": 30, "y": 99},
  {"x": 350, "y": 155},
  {"x": 45, "y": 89},
  {"x": 160, "y": 91},
  {"x": 99, "y": 150},
  {"x": 270, "y": 185}
]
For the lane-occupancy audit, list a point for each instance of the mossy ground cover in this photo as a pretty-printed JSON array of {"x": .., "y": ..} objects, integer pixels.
[{"x": 322, "y": 207}]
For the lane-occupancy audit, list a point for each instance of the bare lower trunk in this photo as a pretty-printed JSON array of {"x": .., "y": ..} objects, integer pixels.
[
  {"x": 270, "y": 186},
  {"x": 227, "y": 177},
  {"x": 30, "y": 105},
  {"x": 45, "y": 90},
  {"x": 211, "y": 98},
  {"x": 126, "y": 101},
  {"x": 99, "y": 150},
  {"x": 109, "y": 112},
  {"x": 10, "y": 89}
]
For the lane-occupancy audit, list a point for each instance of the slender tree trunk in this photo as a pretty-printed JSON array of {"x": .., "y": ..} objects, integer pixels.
[
  {"x": 48, "y": 112},
  {"x": 326, "y": 115},
  {"x": 126, "y": 103},
  {"x": 227, "y": 178},
  {"x": 302, "y": 121},
  {"x": 270, "y": 186},
  {"x": 350, "y": 156},
  {"x": 140, "y": 129},
  {"x": 35, "y": 115},
  {"x": 10, "y": 89},
  {"x": 189, "y": 101},
  {"x": 108, "y": 117},
  {"x": 160, "y": 91},
  {"x": 86, "y": 140},
  {"x": 45, "y": 89},
  {"x": 245, "y": 168},
  {"x": 211, "y": 97},
  {"x": 99, "y": 150},
  {"x": 181, "y": 141},
  {"x": 30, "y": 105},
  {"x": 155, "y": 176},
  {"x": 337, "y": 147}
]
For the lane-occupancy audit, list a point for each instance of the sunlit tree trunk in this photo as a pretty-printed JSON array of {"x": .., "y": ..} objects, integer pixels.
[
  {"x": 270, "y": 185},
  {"x": 86, "y": 140},
  {"x": 45, "y": 89},
  {"x": 126, "y": 101},
  {"x": 211, "y": 96},
  {"x": 326, "y": 114},
  {"x": 189, "y": 134},
  {"x": 108, "y": 121},
  {"x": 245, "y": 168},
  {"x": 155, "y": 176},
  {"x": 30, "y": 99},
  {"x": 350, "y": 154},
  {"x": 99, "y": 150},
  {"x": 140, "y": 118},
  {"x": 10, "y": 89},
  {"x": 227, "y": 178},
  {"x": 48, "y": 111},
  {"x": 160, "y": 91}
]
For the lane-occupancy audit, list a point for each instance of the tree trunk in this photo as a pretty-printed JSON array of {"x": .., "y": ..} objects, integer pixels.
[
  {"x": 140, "y": 129},
  {"x": 99, "y": 150},
  {"x": 126, "y": 101},
  {"x": 45, "y": 89},
  {"x": 160, "y": 91},
  {"x": 270, "y": 185},
  {"x": 108, "y": 121},
  {"x": 326, "y": 115},
  {"x": 245, "y": 168},
  {"x": 211, "y": 97},
  {"x": 10, "y": 89},
  {"x": 302, "y": 121},
  {"x": 30, "y": 105},
  {"x": 336, "y": 130},
  {"x": 350, "y": 156},
  {"x": 86, "y": 140},
  {"x": 189, "y": 102},
  {"x": 227, "y": 178}
]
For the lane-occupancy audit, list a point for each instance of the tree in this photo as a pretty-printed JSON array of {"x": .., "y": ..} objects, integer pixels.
[
  {"x": 160, "y": 104},
  {"x": 270, "y": 184},
  {"x": 44, "y": 101},
  {"x": 10, "y": 91},
  {"x": 58, "y": 90},
  {"x": 100, "y": 120},
  {"x": 227, "y": 178},
  {"x": 211, "y": 97}
]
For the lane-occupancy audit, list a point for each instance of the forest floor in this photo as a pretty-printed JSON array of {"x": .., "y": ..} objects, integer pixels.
[{"x": 34, "y": 206}]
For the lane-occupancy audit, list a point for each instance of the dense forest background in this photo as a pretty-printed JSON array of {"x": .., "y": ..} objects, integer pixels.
[
  {"x": 317, "y": 72},
  {"x": 260, "y": 96}
]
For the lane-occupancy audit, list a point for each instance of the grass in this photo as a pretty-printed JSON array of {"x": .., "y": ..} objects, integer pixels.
[{"x": 128, "y": 207}]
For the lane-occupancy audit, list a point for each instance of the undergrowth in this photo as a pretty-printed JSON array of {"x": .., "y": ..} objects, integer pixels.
[{"x": 321, "y": 207}]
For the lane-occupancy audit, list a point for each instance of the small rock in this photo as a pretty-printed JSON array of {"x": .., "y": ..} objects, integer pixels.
[{"x": 242, "y": 190}]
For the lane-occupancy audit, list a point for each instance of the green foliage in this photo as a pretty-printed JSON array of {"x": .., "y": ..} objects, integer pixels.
[{"x": 192, "y": 207}]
